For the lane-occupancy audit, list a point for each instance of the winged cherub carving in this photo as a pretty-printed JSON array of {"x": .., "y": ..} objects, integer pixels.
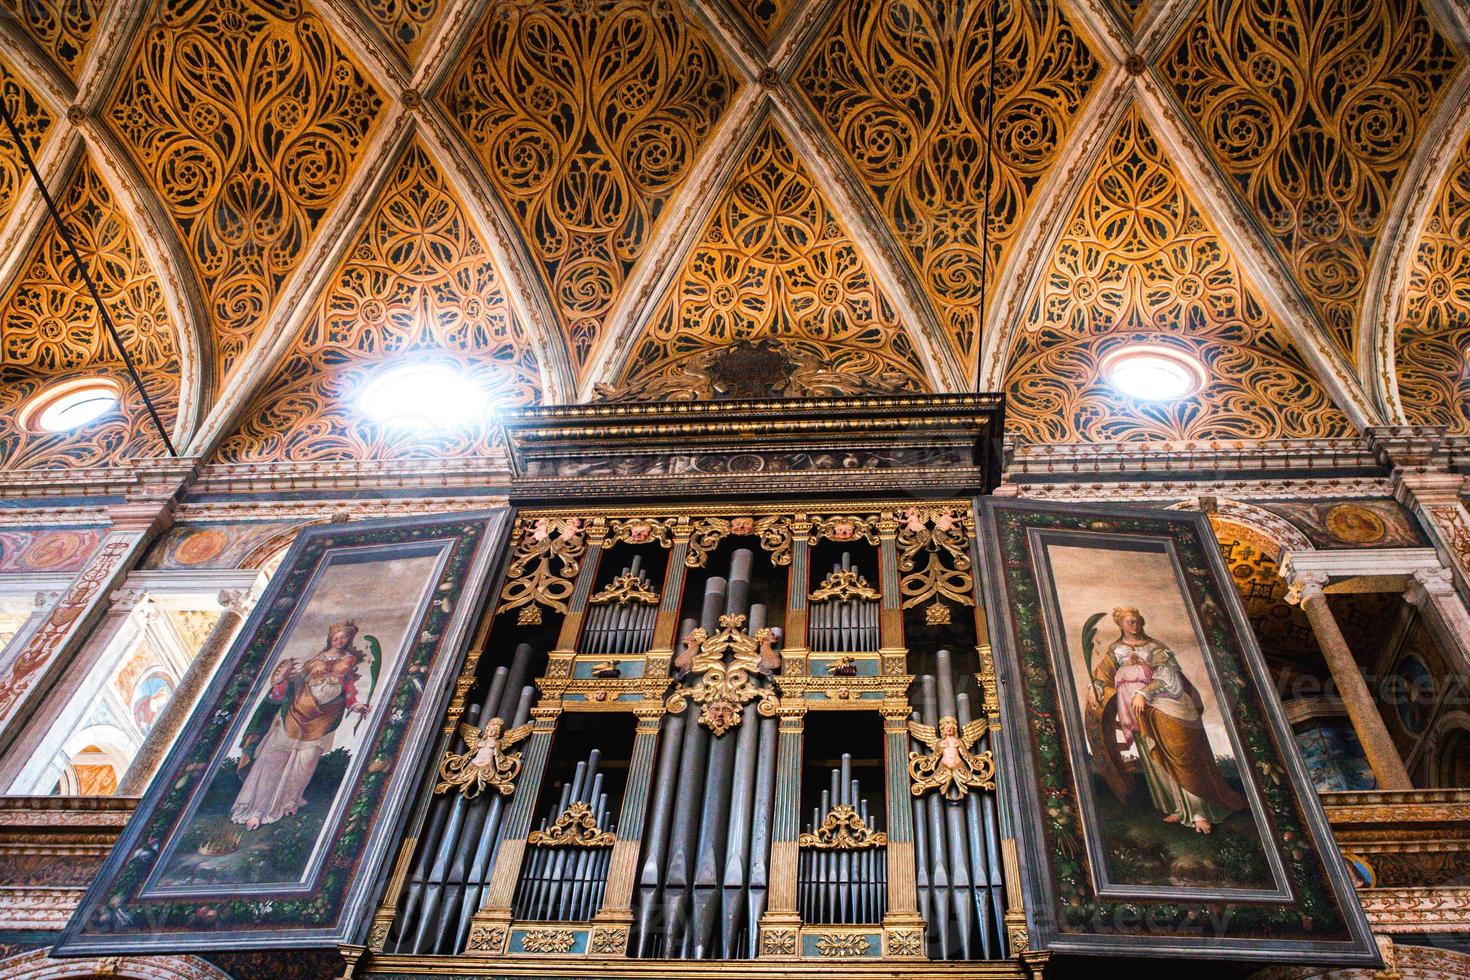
[
  {"x": 486, "y": 760},
  {"x": 951, "y": 766}
]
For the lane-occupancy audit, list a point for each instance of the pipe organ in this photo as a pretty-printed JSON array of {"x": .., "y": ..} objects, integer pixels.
[{"x": 728, "y": 731}]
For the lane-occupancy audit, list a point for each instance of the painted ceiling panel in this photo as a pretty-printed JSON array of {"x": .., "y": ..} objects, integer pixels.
[
  {"x": 587, "y": 116},
  {"x": 247, "y": 119},
  {"x": 1138, "y": 260},
  {"x": 50, "y": 331},
  {"x": 1313, "y": 108},
  {"x": 1432, "y": 339},
  {"x": 901, "y": 85},
  {"x": 407, "y": 23},
  {"x": 774, "y": 299},
  {"x": 33, "y": 120},
  {"x": 765, "y": 17},
  {"x": 417, "y": 284},
  {"x": 64, "y": 29}
]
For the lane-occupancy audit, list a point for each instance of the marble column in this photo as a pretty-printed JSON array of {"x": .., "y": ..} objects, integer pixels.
[
  {"x": 1367, "y": 721},
  {"x": 236, "y": 604}
]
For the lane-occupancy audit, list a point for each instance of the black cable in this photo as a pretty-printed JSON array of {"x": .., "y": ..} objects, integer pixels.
[
  {"x": 71, "y": 247},
  {"x": 989, "y": 170}
]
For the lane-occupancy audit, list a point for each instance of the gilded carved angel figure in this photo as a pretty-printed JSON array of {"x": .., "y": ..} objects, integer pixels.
[
  {"x": 486, "y": 760},
  {"x": 951, "y": 766}
]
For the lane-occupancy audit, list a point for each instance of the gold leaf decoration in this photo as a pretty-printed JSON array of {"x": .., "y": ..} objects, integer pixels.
[
  {"x": 33, "y": 121},
  {"x": 416, "y": 281},
  {"x": 63, "y": 29},
  {"x": 774, "y": 266},
  {"x": 576, "y": 827},
  {"x": 406, "y": 22},
  {"x": 1139, "y": 261},
  {"x": 247, "y": 119},
  {"x": 901, "y": 86},
  {"x": 843, "y": 829},
  {"x": 1432, "y": 338},
  {"x": 587, "y": 115},
  {"x": 1314, "y": 107},
  {"x": 543, "y": 571},
  {"x": 50, "y": 331},
  {"x": 765, "y": 17}
]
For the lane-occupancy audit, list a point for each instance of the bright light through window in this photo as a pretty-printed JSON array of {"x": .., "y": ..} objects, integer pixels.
[
  {"x": 71, "y": 404},
  {"x": 423, "y": 397},
  {"x": 1153, "y": 372}
]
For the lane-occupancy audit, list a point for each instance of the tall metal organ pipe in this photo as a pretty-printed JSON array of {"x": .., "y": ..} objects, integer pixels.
[
  {"x": 958, "y": 842},
  {"x": 842, "y": 886},
  {"x": 461, "y": 837},
  {"x": 702, "y": 887}
]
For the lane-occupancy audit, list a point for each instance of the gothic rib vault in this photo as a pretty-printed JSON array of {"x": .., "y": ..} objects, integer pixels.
[{"x": 598, "y": 198}]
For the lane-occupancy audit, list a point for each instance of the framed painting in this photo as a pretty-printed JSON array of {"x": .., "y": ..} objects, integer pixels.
[
  {"x": 1152, "y": 774},
  {"x": 269, "y": 821}
]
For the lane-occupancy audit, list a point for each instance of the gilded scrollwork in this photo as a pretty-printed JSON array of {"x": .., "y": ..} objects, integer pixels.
[
  {"x": 34, "y": 122},
  {"x": 548, "y": 940},
  {"x": 247, "y": 119},
  {"x": 723, "y": 688},
  {"x": 576, "y": 827},
  {"x": 951, "y": 766},
  {"x": 934, "y": 561},
  {"x": 51, "y": 331},
  {"x": 543, "y": 572},
  {"x": 587, "y": 115},
  {"x": 405, "y": 22},
  {"x": 624, "y": 589},
  {"x": 765, "y": 16},
  {"x": 773, "y": 530},
  {"x": 843, "y": 945},
  {"x": 417, "y": 281},
  {"x": 844, "y": 585},
  {"x": 844, "y": 527},
  {"x": 775, "y": 277},
  {"x": 901, "y": 86},
  {"x": 1138, "y": 260},
  {"x": 843, "y": 829},
  {"x": 64, "y": 29},
  {"x": 640, "y": 530},
  {"x": 1432, "y": 338},
  {"x": 1313, "y": 107}
]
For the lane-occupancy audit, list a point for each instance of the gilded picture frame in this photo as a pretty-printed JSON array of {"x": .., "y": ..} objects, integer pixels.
[
  {"x": 1147, "y": 765},
  {"x": 269, "y": 822}
]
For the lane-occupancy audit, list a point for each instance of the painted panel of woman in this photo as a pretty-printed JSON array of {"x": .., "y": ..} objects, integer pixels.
[{"x": 313, "y": 697}]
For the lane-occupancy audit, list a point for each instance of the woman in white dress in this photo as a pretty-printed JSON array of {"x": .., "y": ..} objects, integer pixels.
[{"x": 308, "y": 701}]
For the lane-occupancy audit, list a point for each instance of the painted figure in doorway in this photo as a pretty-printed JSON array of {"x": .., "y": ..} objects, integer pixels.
[
  {"x": 307, "y": 702},
  {"x": 1141, "y": 698}
]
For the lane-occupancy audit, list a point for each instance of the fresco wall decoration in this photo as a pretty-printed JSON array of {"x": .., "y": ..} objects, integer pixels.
[
  {"x": 48, "y": 550},
  {"x": 1153, "y": 774},
  {"x": 1352, "y": 523},
  {"x": 271, "y": 816}
]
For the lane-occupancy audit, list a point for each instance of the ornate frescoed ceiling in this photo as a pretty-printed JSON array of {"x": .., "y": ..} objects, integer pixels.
[
  {"x": 49, "y": 332},
  {"x": 1314, "y": 108},
  {"x": 773, "y": 278},
  {"x": 1139, "y": 261},
  {"x": 417, "y": 282},
  {"x": 902, "y": 87},
  {"x": 246, "y": 118},
  {"x": 703, "y": 198},
  {"x": 587, "y": 115},
  {"x": 1432, "y": 338}
]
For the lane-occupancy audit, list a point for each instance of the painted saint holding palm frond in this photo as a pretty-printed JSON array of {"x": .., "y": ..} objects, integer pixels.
[
  {"x": 1140, "y": 696},
  {"x": 307, "y": 702}
]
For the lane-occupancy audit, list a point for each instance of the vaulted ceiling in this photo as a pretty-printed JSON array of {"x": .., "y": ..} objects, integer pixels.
[{"x": 575, "y": 200}]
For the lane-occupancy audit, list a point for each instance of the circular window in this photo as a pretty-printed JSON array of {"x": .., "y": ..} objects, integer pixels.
[
  {"x": 423, "y": 397},
  {"x": 1153, "y": 372},
  {"x": 71, "y": 404}
]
